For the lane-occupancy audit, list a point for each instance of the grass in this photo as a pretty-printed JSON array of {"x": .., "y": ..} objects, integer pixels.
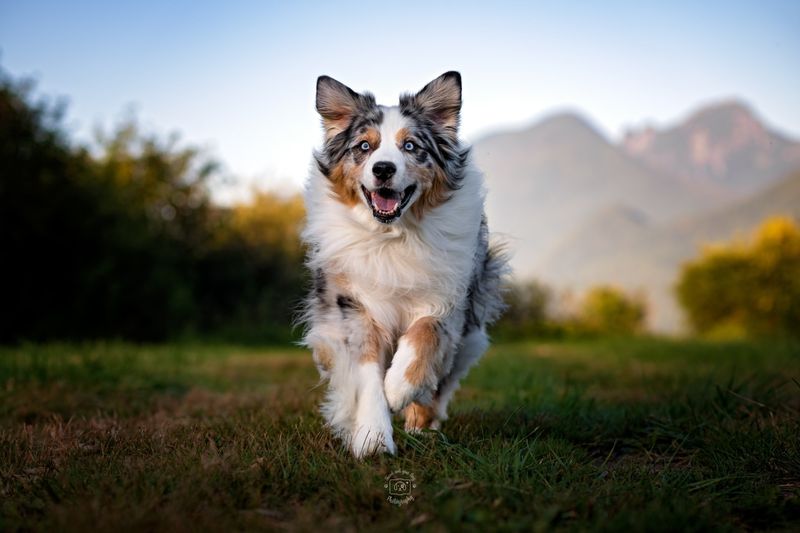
[{"x": 614, "y": 435}]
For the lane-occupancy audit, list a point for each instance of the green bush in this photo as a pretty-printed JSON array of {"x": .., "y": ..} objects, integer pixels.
[
  {"x": 527, "y": 313},
  {"x": 750, "y": 287},
  {"x": 125, "y": 241},
  {"x": 607, "y": 310}
]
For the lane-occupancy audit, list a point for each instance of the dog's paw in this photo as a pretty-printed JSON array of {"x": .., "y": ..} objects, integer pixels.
[
  {"x": 419, "y": 417},
  {"x": 369, "y": 440},
  {"x": 400, "y": 392}
]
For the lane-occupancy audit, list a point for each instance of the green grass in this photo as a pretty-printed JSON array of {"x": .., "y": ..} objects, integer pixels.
[{"x": 605, "y": 435}]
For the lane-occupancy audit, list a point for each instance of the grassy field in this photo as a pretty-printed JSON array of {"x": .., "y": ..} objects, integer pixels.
[{"x": 604, "y": 435}]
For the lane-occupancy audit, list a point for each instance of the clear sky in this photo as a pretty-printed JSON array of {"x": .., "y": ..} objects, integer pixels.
[{"x": 238, "y": 77}]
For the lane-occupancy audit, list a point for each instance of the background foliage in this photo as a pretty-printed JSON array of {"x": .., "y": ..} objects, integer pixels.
[
  {"x": 126, "y": 242},
  {"x": 750, "y": 287},
  {"x": 610, "y": 310}
]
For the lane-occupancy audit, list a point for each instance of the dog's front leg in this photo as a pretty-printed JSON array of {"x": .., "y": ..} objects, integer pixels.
[
  {"x": 373, "y": 420},
  {"x": 355, "y": 406},
  {"x": 417, "y": 365}
]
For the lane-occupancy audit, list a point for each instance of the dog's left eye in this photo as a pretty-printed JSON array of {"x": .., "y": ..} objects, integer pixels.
[
  {"x": 409, "y": 146},
  {"x": 365, "y": 146}
]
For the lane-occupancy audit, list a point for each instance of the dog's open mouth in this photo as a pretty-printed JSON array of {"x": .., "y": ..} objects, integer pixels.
[{"x": 387, "y": 204}]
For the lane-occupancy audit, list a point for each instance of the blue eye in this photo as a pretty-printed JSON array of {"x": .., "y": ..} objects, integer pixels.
[
  {"x": 409, "y": 146},
  {"x": 365, "y": 146}
]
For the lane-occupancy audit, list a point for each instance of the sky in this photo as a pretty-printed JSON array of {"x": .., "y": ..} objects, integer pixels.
[{"x": 238, "y": 78}]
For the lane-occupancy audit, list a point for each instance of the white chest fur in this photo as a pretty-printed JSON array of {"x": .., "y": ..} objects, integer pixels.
[{"x": 401, "y": 271}]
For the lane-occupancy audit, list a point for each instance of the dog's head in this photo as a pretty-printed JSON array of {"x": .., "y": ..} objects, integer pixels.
[{"x": 392, "y": 159}]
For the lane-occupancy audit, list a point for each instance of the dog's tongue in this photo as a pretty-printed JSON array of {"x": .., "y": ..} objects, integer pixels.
[{"x": 384, "y": 204}]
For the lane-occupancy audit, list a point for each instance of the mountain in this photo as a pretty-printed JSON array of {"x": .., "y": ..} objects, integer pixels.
[
  {"x": 580, "y": 210},
  {"x": 599, "y": 234},
  {"x": 725, "y": 147},
  {"x": 546, "y": 179},
  {"x": 637, "y": 257}
]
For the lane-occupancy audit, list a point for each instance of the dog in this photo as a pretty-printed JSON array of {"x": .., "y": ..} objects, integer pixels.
[{"x": 405, "y": 278}]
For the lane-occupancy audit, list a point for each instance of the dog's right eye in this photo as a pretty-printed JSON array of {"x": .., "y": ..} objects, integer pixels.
[{"x": 365, "y": 146}]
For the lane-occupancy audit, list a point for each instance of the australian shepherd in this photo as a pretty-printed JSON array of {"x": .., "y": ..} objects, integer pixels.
[{"x": 405, "y": 279}]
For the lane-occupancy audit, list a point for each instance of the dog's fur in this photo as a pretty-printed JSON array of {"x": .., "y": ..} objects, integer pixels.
[{"x": 405, "y": 280}]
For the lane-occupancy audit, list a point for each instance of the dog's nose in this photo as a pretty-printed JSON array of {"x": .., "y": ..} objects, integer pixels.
[{"x": 384, "y": 170}]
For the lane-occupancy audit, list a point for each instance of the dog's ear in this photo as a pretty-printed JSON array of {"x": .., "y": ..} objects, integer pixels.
[
  {"x": 337, "y": 104},
  {"x": 440, "y": 100}
]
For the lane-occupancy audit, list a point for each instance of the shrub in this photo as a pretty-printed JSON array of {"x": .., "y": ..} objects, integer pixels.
[
  {"x": 610, "y": 311},
  {"x": 527, "y": 313},
  {"x": 751, "y": 286}
]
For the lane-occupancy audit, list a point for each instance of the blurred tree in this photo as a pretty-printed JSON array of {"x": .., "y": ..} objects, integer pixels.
[
  {"x": 527, "y": 313},
  {"x": 46, "y": 217},
  {"x": 270, "y": 225},
  {"x": 253, "y": 267},
  {"x": 127, "y": 243},
  {"x": 152, "y": 221},
  {"x": 752, "y": 287},
  {"x": 610, "y": 311}
]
